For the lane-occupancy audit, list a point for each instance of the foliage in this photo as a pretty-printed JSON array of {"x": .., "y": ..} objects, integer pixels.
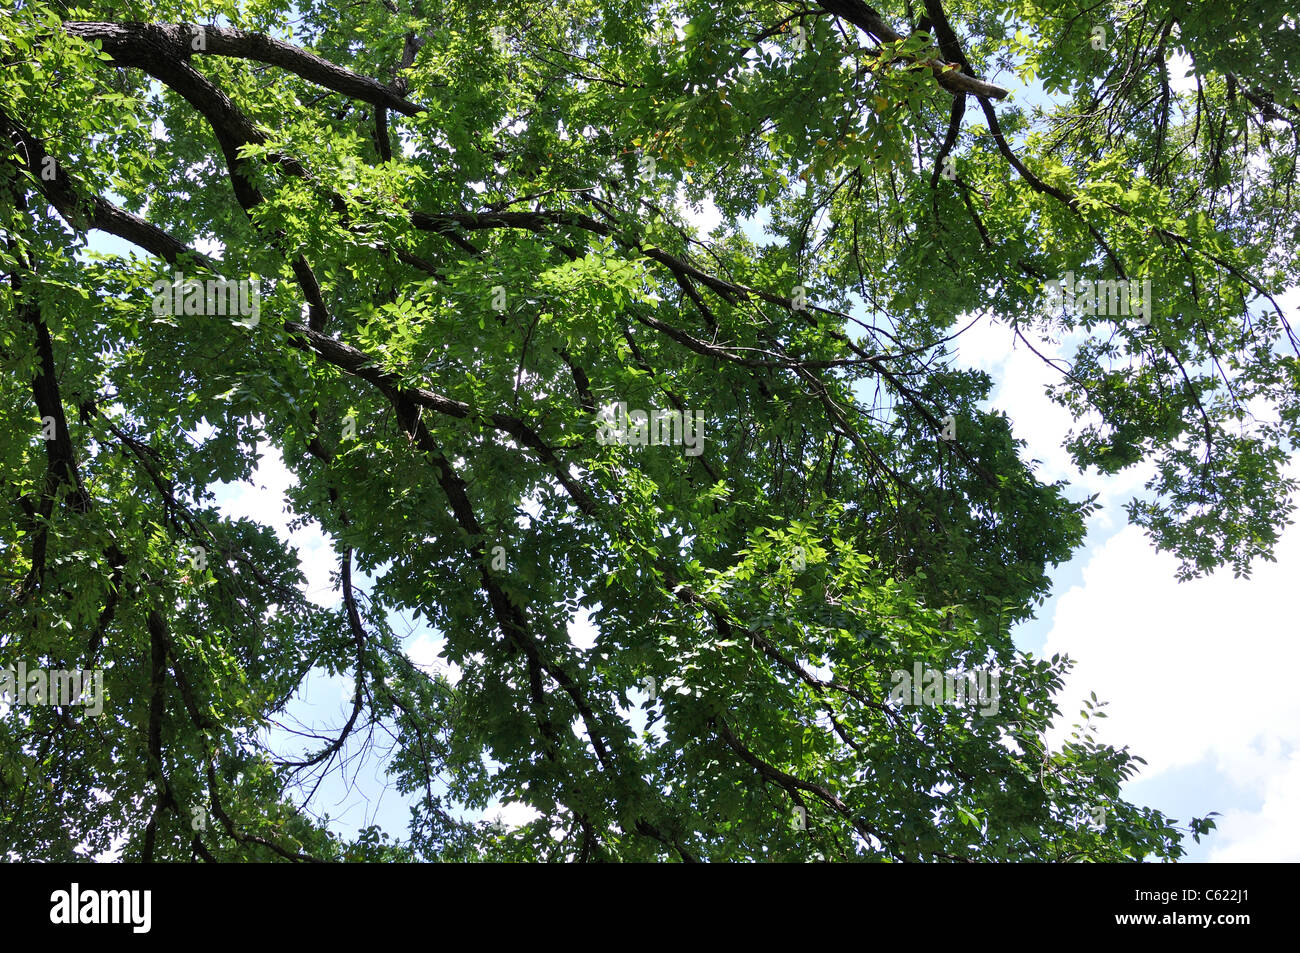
[{"x": 465, "y": 222}]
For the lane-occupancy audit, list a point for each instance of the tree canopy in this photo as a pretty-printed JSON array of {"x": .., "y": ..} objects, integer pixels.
[{"x": 466, "y": 228}]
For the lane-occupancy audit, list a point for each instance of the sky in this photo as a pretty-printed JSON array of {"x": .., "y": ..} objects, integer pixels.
[{"x": 1198, "y": 673}]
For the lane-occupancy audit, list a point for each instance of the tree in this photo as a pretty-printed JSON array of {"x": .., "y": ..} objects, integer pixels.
[{"x": 422, "y": 249}]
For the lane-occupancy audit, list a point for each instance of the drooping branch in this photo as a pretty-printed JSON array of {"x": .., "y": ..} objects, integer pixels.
[
  {"x": 83, "y": 211},
  {"x": 358, "y": 693},
  {"x": 513, "y": 623},
  {"x": 359, "y": 364},
  {"x": 791, "y": 783},
  {"x": 166, "y": 799},
  {"x": 136, "y": 42},
  {"x": 157, "y": 55},
  {"x": 61, "y": 460}
]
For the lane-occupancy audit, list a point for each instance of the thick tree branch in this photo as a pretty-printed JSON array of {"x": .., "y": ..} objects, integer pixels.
[
  {"x": 180, "y": 41},
  {"x": 948, "y": 75}
]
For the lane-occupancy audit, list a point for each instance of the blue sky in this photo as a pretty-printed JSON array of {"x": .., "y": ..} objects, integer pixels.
[{"x": 1198, "y": 673}]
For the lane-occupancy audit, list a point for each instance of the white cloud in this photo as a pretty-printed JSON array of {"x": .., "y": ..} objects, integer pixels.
[
  {"x": 1197, "y": 674},
  {"x": 704, "y": 215},
  {"x": 512, "y": 814},
  {"x": 1021, "y": 377},
  {"x": 1182, "y": 74},
  {"x": 210, "y": 247},
  {"x": 582, "y": 631},
  {"x": 1191, "y": 669},
  {"x": 425, "y": 650},
  {"x": 263, "y": 500},
  {"x": 1271, "y": 834}
]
